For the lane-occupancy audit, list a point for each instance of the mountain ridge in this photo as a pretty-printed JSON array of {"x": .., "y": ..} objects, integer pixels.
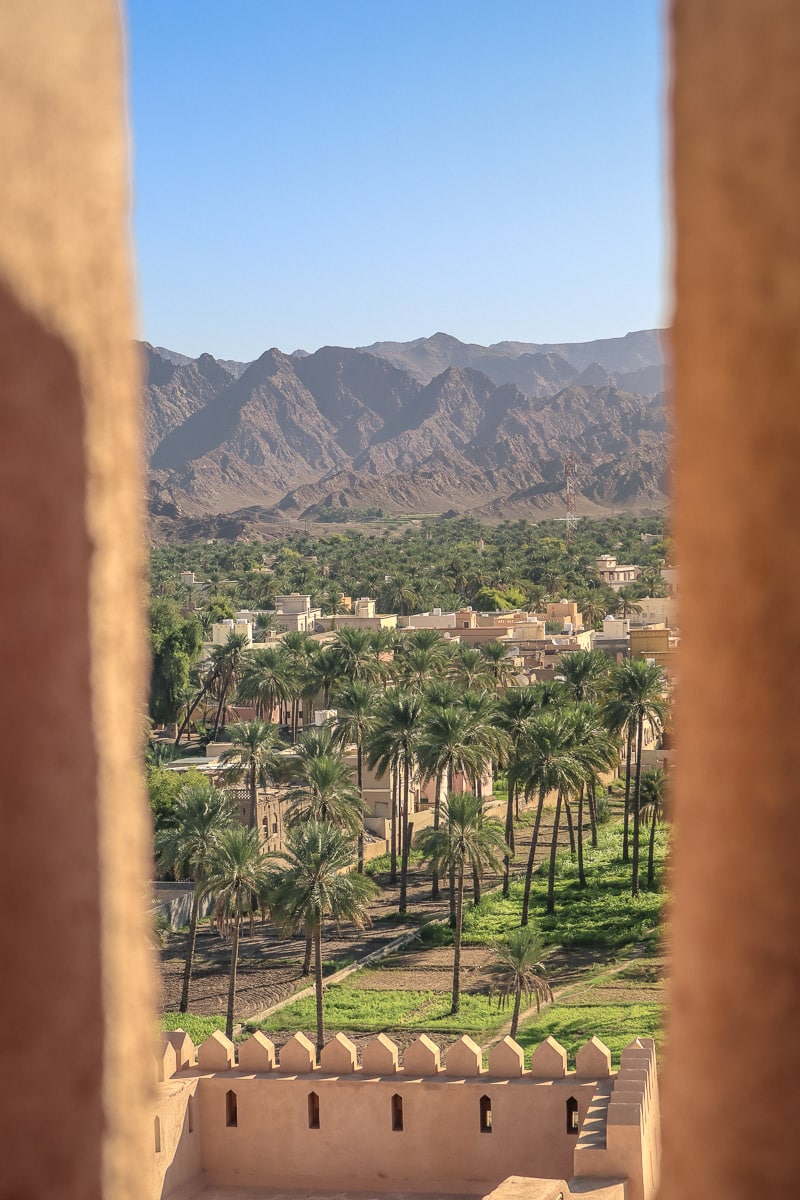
[{"x": 347, "y": 427}]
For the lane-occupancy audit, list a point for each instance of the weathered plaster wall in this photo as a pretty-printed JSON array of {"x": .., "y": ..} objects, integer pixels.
[
  {"x": 76, "y": 955},
  {"x": 736, "y": 345}
]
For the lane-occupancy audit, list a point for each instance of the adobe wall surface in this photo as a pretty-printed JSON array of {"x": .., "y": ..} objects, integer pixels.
[
  {"x": 76, "y": 966},
  {"x": 736, "y": 909},
  {"x": 445, "y": 1142}
]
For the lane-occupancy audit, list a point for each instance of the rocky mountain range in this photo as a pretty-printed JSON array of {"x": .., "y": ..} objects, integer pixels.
[{"x": 429, "y": 426}]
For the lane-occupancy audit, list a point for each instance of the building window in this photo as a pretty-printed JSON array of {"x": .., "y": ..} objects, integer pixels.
[
  {"x": 157, "y": 1134},
  {"x": 572, "y": 1115},
  {"x": 397, "y": 1114},
  {"x": 231, "y": 1110},
  {"x": 190, "y": 1114},
  {"x": 486, "y": 1115},
  {"x": 313, "y": 1110}
]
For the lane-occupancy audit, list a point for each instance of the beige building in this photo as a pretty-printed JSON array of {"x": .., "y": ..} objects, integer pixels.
[
  {"x": 616, "y": 575},
  {"x": 294, "y": 614}
]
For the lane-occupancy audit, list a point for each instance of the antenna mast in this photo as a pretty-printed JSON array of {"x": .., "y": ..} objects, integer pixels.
[{"x": 569, "y": 486}]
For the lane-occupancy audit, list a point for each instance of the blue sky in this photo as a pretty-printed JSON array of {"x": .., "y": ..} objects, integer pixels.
[{"x": 312, "y": 172}]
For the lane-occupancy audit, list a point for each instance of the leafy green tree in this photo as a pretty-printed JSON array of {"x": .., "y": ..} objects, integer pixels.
[
  {"x": 236, "y": 871},
  {"x": 316, "y": 885},
  {"x": 518, "y": 972},
  {"x": 254, "y": 754},
  {"x": 468, "y": 838},
  {"x": 175, "y": 644},
  {"x": 202, "y": 814},
  {"x": 162, "y": 790}
]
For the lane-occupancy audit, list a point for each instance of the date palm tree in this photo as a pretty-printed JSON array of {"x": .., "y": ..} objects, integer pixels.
[
  {"x": 515, "y": 707},
  {"x": 467, "y": 838},
  {"x": 314, "y": 885},
  {"x": 355, "y": 719},
  {"x": 546, "y": 762},
  {"x": 325, "y": 793},
  {"x": 354, "y": 649},
  {"x": 322, "y": 673},
  {"x": 591, "y": 733},
  {"x": 584, "y": 674},
  {"x": 202, "y": 814},
  {"x": 236, "y": 872},
  {"x": 654, "y": 807},
  {"x": 228, "y": 663},
  {"x": 267, "y": 679},
  {"x": 447, "y": 744},
  {"x": 638, "y": 695},
  {"x": 253, "y": 753},
  {"x": 518, "y": 972},
  {"x": 393, "y": 745},
  {"x": 469, "y": 668},
  {"x": 499, "y": 665},
  {"x": 300, "y": 648}
]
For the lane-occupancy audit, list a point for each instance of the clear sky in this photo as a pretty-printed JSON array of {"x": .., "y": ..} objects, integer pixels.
[{"x": 312, "y": 172}]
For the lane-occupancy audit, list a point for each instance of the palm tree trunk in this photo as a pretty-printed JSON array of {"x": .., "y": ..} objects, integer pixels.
[
  {"x": 593, "y": 812},
  {"x": 393, "y": 869},
  {"x": 651, "y": 854},
  {"x": 570, "y": 825},
  {"x": 360, "y": 867},
  {"x": 218, "y": 716},
  {"x": 253, "y": 816},
  {"x": 187, "y": 970},
  {"x": 318, "y": 986},
  {"x": 405, "y": 838},
  {"x": 454, "y": 1007},
  {"x": 526, "y": 898},
  {"x": 551, "y": 878},
  {"x": 188, "y": 717},
  {"x": 517, "y": 1002},
  {"x": 625, "y": 850},
  {"x": 437, "y": 810},
  {"x": 509, "y": 840},
  {"x": 581, "y": 869},
  {"x": 232, "y": 980},
  {"x": 636, "y": 818},
  {"x": 307, "y": 957}
]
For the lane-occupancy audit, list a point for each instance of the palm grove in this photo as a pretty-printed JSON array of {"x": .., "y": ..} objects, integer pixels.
[{"x": 412, "y": 706}]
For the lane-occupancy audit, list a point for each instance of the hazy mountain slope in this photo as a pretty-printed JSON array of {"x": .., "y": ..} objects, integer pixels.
[{"x": 426, "y": 357}]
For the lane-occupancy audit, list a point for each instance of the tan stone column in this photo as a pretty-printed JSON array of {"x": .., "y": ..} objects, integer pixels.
[
  {"x": 76, "y": 978},
  {"x": 733, "y": 1059}
]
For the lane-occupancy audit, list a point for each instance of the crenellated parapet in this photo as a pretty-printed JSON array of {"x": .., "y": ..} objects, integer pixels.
[
  {"x": 380, "y": 1056},
  {"x": 425, "y": 1117}
]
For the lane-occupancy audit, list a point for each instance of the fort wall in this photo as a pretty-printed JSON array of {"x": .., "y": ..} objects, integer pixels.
[{"x": 430, "y": 1123}]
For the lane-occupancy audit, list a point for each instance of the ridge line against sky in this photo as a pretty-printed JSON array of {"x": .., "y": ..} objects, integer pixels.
[{"x": 341, "y": 172}]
